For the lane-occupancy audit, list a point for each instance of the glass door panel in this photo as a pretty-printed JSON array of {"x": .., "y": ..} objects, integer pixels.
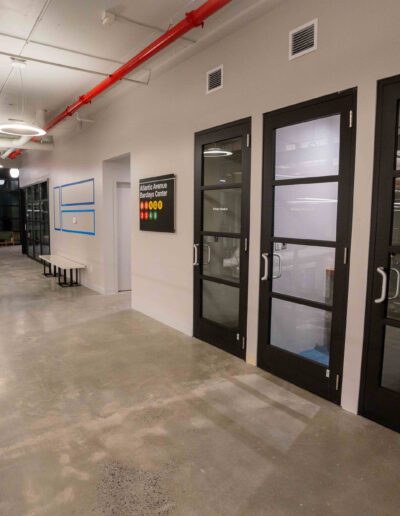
[
  {"x": 223, "y": 162},
  {"x": 391, "y": 359},
  {"x": 301, "y": 329},
  {"x": 221, "y": 236},
  {"x": 221, "y": 257},
  {"x": 222, "y": 210},
  {"x": 396, "y": 212},
  {"x": 305, "y": 239},
  {"x": 304, "y": 271},
  {"x": 306, "y": 211},
  {"x": 221, "y": 303},
  {"x": 380, "y": 398},
  {"x": 309, "y": 149}
]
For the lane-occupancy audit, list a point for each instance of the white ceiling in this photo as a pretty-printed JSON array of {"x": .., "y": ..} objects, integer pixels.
[{"x": 75, "y": 28}]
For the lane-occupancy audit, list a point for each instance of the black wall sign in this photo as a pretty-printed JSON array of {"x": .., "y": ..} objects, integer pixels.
[{"x": 157, "y": 203}]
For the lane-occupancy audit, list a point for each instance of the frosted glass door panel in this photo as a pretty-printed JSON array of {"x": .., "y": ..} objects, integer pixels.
[
  {"x": 306, "y": 211},
  {"x": 301, "y": 329},
  {"x": 309, "y": 149},
  {"x": 221, "y": 303},
  {"x": 222, "y": 210},
  {"x": 304, "y": 271},
  {"x": 396, "y": 213},
  {"x": 393, "y": 306},
  {"x": 221, "y": 257},
  {"x": 391, "y": 359},
  {"x": 222, "y": 162}
]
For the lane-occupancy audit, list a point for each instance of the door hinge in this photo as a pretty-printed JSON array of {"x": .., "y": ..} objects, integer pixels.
[
  {"x": 238, "y": 337},
  {"x": 245, "y": 245},
  {"x": 345, "y": 253},
  {"x": 328, "y": 373},
  {"x": 351, "y": 118},
  {"x": 243, "y": 342},
  {"x": 337, "y": 382},
  {"x": 247, "y": 140}
]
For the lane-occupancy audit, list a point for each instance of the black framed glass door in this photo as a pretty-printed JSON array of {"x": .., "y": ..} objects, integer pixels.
[
  {"x": 37, "y": 220},
  {"x": 305, "y": 242},
  {"x": 380, "y": 397},
  {"x": 222, "y": 189}
]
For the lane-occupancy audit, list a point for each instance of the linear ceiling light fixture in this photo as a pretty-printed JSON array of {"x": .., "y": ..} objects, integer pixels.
[{"x": 192, "y": 19}]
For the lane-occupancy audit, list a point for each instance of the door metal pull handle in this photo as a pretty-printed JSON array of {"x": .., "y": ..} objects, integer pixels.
[
  {"x": 208, "y": 254},
  {"x": 397, "y": 292},
  {"x": 265, "y": 257},
  {"x": 279, "y": 274},
  {"x": 382, "y": 298},
  {"x": 196, "y": 254}
]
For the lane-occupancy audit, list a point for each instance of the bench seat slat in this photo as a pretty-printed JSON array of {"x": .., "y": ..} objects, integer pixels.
[{"x": 61, "y": 262}]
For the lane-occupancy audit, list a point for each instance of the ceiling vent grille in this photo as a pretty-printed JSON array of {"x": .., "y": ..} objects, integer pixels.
[
  {"x": 303, "y": 39},
  {"x": 215, "y": 79}
]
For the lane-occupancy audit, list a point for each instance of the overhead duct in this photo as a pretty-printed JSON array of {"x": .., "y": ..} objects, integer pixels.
[
  {"x": 12, "y": 144},
  {"x": 192, "y": 19}
]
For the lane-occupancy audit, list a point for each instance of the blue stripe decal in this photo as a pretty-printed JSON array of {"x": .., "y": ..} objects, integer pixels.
[
  {"x": 79, "y": 203},
  {"x": 54, "y": 206},
  {"x": 92, "y": 233}
]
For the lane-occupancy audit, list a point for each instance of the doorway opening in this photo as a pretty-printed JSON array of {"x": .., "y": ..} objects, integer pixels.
[{"x": 117, "y": 224}]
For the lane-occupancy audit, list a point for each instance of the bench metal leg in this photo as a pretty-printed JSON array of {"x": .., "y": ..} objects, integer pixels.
[
  {"x": 63, "y": 280},
  {"x": 45, "y": 273},
  {"x": 62, "y": 277}
]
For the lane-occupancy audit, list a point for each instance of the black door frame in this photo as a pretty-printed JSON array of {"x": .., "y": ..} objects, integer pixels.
[
  {"x": 25, "y": 248},
  {"x": 24, "y": 239},
  {"x": 209, "y": 331},
  {"x": 310, "y": 375},
  {"x": 375, "y": 401}
]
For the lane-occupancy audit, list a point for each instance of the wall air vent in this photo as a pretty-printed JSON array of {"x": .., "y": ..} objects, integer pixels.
[
  {"x": 215, "y": 79},
  {"x": 303, "y": 39}
]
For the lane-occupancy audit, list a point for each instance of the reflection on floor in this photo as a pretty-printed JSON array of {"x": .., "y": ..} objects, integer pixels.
[{"x": 107, "y": 412}]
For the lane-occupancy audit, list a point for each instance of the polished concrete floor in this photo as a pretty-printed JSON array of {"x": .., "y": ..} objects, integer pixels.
[{"x": 104, "y": 411}]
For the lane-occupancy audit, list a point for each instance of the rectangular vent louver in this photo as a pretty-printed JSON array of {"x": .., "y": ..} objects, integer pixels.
[
  {"x": 303, "y": 39},
  {"x": 215, "y": 79}
]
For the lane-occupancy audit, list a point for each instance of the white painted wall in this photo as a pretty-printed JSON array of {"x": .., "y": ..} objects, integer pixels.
[
  {"x": 358, "y": 44},
  {"x": 124, "y": 235}
]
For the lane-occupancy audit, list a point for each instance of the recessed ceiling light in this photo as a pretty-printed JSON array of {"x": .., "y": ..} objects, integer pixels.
[
  {"x": 21, "y": 129},
  {"x": 14, "y": 173},
  {"x": 216, "y": 152}
]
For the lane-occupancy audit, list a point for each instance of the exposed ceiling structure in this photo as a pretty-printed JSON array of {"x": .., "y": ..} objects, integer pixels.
[{"x": 71, "y": 45}]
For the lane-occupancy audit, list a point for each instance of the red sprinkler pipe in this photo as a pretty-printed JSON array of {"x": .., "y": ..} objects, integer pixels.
[{"x": 192, "y": 19}]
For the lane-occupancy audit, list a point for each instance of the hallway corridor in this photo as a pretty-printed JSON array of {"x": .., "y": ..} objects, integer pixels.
[{"x": 107, "y": 412}]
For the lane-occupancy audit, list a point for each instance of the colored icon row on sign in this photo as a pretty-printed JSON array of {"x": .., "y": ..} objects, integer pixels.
[
  {"x": 145, "y": 215},
  {"x": 151, "y": 205}
]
